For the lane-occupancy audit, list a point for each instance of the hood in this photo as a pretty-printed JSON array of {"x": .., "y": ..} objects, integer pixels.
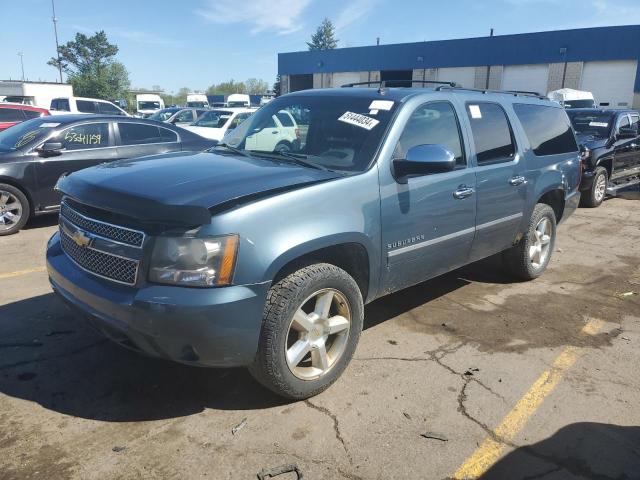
[
  {"x": 182, "y": 188},
  {"x": 591, "y": 142}
]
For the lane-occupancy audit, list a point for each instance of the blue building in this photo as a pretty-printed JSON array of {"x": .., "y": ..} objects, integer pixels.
[{"x": 603, "y": 60}]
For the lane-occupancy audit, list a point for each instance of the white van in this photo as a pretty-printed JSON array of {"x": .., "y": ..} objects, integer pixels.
[
  {"x": 197, "y": 100},
  {"x": 65, "y": 105},
  {"x": 570, "y": 98},
  {"x": 148, "y": 103},
  {"x": 239, "y": 100}
]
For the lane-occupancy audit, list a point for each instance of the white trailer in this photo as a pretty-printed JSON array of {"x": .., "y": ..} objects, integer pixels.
[
  {"x": 570, "y": 98},
  {"x": 148, "y": 103},
  {"x": 197, "y": 100},
  {"x": 38, "y": 94}
]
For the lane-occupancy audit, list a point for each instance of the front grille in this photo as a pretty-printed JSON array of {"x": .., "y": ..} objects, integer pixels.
[
  {"x": 113, "y": 232},
  {"x": 111, "y": 267}
]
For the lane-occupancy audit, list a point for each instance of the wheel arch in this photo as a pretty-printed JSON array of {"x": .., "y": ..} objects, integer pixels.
[
  {"x": 555, "y": 198},
  {"x": 27, "y": 193}
]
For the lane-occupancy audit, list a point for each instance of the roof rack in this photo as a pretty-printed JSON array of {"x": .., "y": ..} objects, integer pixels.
[
  {"x": 382, "y": 84},
  {"x": 485, "y": 90}
]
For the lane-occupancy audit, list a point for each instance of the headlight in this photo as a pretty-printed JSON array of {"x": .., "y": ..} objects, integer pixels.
[{"x": 194, "y": 262}]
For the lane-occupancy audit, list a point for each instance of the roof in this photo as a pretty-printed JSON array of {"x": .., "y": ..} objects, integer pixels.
[
  {"x": 76, "y": 117},
  {"x": 22, "y": 106},
  {"x": 602, "y": 110}
]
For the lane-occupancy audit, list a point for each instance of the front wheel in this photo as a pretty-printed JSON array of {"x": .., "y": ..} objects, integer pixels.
[
  {"x": 312, "y": 323},
  {"x": 530, "y": 257},
  {"x": 595, "y": 195},
  {"x": 14, "y": 209}
]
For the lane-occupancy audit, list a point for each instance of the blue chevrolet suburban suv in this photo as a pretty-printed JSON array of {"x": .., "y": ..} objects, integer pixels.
[{"x": 264, "y": 256}]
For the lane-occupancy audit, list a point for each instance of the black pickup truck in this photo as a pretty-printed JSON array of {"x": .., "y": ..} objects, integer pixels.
[{"x": 610, "y": 144}]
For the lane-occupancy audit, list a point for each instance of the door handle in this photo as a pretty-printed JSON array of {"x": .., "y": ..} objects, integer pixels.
[
  {"x": 515, "y": 181},
  {"x": 463, "y": 192}
]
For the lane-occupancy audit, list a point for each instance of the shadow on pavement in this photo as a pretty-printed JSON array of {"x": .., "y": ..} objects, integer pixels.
[
  {"x": 41, "y": 221},
  {"x": 580, "y": 450}
]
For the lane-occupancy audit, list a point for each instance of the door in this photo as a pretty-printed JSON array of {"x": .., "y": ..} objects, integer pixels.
[
  {"x": 611, "y": 82},
  {"x": 626, "y": 150},
  {"x": 532, "y": 78},
  {"x": 501, "y": 184},
  {"x": 139, "y": 139},
  {"x": 428, "y": 221},
  {"x": 84, "y": 145}
]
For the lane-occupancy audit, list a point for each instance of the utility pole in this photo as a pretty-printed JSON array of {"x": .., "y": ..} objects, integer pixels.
[
  {"x": 55, "y": 31},
  {"x": 20, "y": 54}
]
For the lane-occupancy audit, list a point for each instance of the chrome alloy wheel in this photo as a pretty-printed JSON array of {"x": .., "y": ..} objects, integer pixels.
[
  {"x": 539, "y": 249},
  {"x": 10, "y": 210},
  {"x": 600, "y": 188},
  {"x": 318, "y": 334}
]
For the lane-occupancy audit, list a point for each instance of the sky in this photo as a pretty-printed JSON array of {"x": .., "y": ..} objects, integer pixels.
[{"x": 196, "y": 43}]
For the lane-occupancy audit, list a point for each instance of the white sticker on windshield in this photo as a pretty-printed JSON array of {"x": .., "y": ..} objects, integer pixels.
[
  {"x": 49, "y": 125},
  {"x": 381, "y": 105},
  {"x": 475, "y": 111},
  {"x": 373, "y": 112},
  {"x": 598, "y": 124},
  {"x": 359, "y": 120}
]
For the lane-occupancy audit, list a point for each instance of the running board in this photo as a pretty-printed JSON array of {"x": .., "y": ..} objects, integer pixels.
[{"x": 613, "y": 189}]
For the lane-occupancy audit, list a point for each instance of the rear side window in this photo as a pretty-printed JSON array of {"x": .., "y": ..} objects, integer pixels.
[
  {"x": 167, "y": 135},
  {"x": 285, "y": 119},
  {"x": 491, "y": 133},
  {"x": 31, "y": 114},
  {"x": 140, "y": 134},
  {"x": 108, "y": 109},
  {"x": 634, "y": 121},
  {"x": 86, "y": 106},
  {"x": 11, "y": 115},
  {"x": 89, "y": 135},
  {"x": 547, "y": 128}
]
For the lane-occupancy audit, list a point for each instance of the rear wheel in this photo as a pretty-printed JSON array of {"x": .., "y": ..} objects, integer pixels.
[
  {"x": 14, "y": 209},
  {"x": 595, "y": 195},
  {"x": 283, "y": 147},
  {"x": 312, "y": 323},
  {"x": 530, "y": 257}
]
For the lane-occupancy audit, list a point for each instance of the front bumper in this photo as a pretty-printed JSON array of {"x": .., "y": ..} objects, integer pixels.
[{"x": 216, "y": 327}]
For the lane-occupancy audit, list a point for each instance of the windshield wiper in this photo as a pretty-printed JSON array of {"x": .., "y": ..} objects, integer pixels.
[
  {"x": 238, "y": 151},
  {"x": 297, "y": 158}
]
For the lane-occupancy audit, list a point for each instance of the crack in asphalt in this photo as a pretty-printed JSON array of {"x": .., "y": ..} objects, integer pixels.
[{"x": 336, "y": 426}]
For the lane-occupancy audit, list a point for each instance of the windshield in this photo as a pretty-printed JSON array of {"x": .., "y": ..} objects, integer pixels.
[
  {"x": 336, "y": 133},
  {"x": 197, "y": 104},
  {"x": 589, "y": 103},
  {"x": 164, "y": 114},
  {"x": 213, "y": 119},
  {"x": 25, "y": 133},
  {"x": 596, "y": 124},
  {"x": 237, "y": 104},
  {"x": 148, "y": 105}
]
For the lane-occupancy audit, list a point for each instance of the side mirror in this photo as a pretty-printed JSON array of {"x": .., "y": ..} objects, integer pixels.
[
  {"x": 51, "y": 149},
  {"x": 424, "y": 160},
  {"x": 627, "y": 132}
]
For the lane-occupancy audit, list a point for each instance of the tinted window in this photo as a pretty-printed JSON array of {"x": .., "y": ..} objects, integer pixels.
[
  {"x": 31, "y": 114},
  {"x": 11, "y": 115},
  {"x": 491, "y": 133},
  {"x": 86, "y": 106},
  {"x": 138, "y": 133},
  {"x": 54, "y": 104},
  {"x": 184, "y": 116},
  {"x": 108, "y": 109},
  {"x": 634, "y": 121},
  {"x": 623, "y": 122},
  {"x": 63, "y": 104},
  {"x": 213, "y": 119},
  {"x": 432, "y": 124},
  {"x": 89, "y": 135},
  {"x": 167, "y": 135},
  {"x": 548, "y": 129}
]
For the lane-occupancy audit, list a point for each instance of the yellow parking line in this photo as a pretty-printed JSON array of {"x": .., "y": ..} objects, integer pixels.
[
  {"x": 22, "y": 272},
  {"x": 490, "y": 450}
]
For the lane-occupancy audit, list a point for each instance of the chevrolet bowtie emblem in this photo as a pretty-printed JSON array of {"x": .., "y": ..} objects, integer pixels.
[{"x": 81, "y": 239}]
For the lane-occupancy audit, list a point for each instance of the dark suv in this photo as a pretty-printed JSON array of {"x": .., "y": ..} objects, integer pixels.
[
  {"x": 610, "y": 144},
  {"x": 242, "y": 256}
]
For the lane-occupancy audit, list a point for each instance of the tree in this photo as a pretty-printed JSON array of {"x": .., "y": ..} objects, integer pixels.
[
  {"x": 324, "y": 38},
  {"x": 227, "y": 87},
  {"x": 277, "y": 86},
  {"x": 91, "y": 68},
  {"x": 256, "y": 86}
]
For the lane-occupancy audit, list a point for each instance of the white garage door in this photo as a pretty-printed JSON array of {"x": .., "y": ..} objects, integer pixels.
[
  {"x": 342, "y": 78},
  {"x": 530, "y": 78},
  {"x": 465, "y": 76},
  {"x": 610, "y": 82}
]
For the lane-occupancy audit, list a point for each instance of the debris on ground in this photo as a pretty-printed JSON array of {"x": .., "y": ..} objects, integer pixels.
[
  {"x": 470, "y": 371},
  {"x": 407, "y": 416},
  {"x": 392, "y": 342},
  {"x": 265, "y": 474},
  {"x": 239, "y": 427},
  {"x": 434, "y": 436},
  {"x": 625, "y": 294},
  {"x": 119, "y": 448}
]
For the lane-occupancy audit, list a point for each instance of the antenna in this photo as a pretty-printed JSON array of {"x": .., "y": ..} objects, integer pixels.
[
  {"x": 55, "y": 31},
  {"x": 21, "y": 54}
]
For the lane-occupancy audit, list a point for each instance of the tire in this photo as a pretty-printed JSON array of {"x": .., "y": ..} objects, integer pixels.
[
  {"x": 283, "y": 147},
  {"x": 522, "y": 260},
  {"x": 301, "y": 291},
  {"x": 595, "y": 195},
  {"x": 14, "y": 209}
]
